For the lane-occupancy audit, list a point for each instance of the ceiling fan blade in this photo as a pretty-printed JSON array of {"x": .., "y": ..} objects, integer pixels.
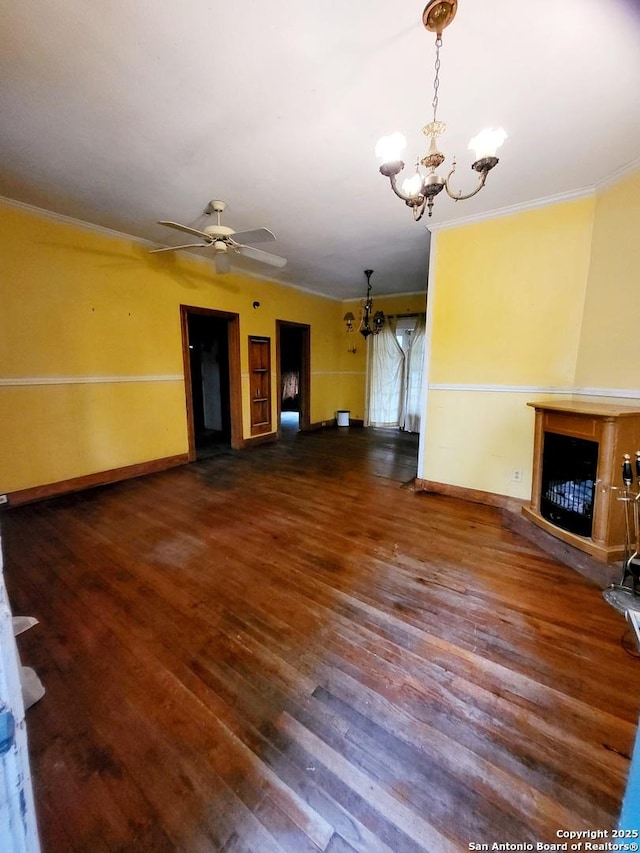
[
  {"x": 263, "y": 257},
  {"x": 186, "y": 229},
  {"x": 222, "y": 263},
  {"x": 258, "y": 235},
  {"x": 174, "y": 248}
]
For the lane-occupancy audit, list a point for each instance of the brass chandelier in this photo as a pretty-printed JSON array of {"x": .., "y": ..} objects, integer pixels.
[
  {"x": 419, "y": 191},
  {"x": 371, "y": 322}
]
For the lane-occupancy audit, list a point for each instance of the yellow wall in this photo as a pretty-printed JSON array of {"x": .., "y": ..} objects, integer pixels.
[
  {"x": 608, "y": 356},
  {"x": 509, "y": 297},
  {"x": 90, "y": 349},
  {"x": 507, "y": 302},
  {"x": 91, "y": 374}
]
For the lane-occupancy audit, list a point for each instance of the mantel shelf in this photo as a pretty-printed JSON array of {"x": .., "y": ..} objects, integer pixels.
[{"x": 587, "y": 407}]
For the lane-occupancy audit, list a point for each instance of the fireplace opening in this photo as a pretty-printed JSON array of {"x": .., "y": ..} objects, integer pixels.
[{"x": 569, "y": 470}]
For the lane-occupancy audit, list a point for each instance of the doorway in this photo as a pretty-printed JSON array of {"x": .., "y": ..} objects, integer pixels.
[
  {"x": 293, "y": 360},
  {"x": 211, "y": 355},
  {"x": 395, "y": 363}
]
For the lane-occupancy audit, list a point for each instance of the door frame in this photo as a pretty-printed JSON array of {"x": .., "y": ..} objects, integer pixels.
[
  {"x": 305, "y": 373},
  {"x": 235, "y": 376}
]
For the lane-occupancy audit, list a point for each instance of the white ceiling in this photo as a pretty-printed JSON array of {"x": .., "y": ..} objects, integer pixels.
[{"x": 123, "y": 112}]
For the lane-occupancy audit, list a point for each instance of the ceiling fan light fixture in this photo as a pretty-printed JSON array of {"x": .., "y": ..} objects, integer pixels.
[
  {"x": 419, "y": 191},
  {"x": 225, "y": 242}
]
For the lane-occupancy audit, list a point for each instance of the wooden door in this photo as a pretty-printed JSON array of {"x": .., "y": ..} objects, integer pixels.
[{"x": 260, "y": 384}]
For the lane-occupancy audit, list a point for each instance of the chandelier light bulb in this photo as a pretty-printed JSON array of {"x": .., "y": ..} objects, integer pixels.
[
  {"x": 412, "y": 185},
  {"x": 487, "y": 142},
  {"x": 389, "y": 148}
]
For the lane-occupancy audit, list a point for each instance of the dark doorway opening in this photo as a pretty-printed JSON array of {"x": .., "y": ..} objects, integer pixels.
[
  {"x": 211, "y": 356},
  {"x": 209, "y": 359},
  {"x": 293, "y": 377}
]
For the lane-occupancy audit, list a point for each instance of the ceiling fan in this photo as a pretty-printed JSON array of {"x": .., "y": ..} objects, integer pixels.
[{"x": 226, "y": 242}]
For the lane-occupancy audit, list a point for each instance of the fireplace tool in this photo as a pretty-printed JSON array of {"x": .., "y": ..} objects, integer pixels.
[{"x": 622, "y": 596}]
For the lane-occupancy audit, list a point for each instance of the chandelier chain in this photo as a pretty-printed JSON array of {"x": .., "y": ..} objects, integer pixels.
[{"x": 436, "y": 81}]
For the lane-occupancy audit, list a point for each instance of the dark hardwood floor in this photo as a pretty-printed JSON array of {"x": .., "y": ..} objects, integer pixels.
[{"x": 288, "y": 649}]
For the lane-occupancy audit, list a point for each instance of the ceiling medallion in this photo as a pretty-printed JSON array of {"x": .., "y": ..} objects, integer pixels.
[{"x": 438, "y": 15}]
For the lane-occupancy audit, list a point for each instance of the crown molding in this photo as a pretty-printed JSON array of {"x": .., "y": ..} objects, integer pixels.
[
  {"x": 298, "y": 287},
  {"x": 619, "y": 174},
  {"x": 573, "y": 195},
  {"x": 387, "y": 295},
  {"x": 92, "y": 228},
  {"x": 584, "y": 192},
  {"x": 77, "y": 223}
]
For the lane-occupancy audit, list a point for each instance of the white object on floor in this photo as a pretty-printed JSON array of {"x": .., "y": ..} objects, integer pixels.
[
  {"x": 32, "y": 687},
  {"x": 22, "y": 624}
]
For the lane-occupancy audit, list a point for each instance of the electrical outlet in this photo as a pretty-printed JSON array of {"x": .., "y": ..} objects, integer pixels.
[
  {"x": 3, "y": 499},
  {"x": 516, "y": 475}
]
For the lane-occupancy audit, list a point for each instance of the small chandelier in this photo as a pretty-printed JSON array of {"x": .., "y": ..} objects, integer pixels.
[
  {"x": 370, "y": 322},
  {"x": 420, "y": 190},
  {"x": 349, "y": 319}
]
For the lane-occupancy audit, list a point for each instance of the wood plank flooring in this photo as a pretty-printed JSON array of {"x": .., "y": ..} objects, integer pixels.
[{"x": 287, "y": 649}]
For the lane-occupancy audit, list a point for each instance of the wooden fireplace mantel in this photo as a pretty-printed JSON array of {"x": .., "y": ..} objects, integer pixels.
[{"x": 615, "y": 427}]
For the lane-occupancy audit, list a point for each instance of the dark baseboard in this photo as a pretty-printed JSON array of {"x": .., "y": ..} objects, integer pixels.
[
  {"x": 331, "y": 423},
  {"x": 594, "y": 570},
  {"x": 601, "y": 573},
  {"x": 89, "y": 481},
  {"x": 474, "y": 495},
  {"x": 257, "y": 440}
]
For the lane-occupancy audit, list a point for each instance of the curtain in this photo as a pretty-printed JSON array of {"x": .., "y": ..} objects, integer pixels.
[
  {"x": 290, "y": 384},
  {"x": 414, "y": 374},
  {"x": 395, "y": 376},
  {"x": 386, "y": 378}
]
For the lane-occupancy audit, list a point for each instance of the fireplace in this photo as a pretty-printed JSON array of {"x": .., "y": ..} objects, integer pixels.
[
  {"x": 577, "y": 463},
  {"x": 569, "y": 472}
]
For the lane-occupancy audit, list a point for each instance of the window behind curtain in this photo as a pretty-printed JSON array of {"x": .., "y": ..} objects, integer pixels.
[{"x": 394, "y": 374}]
